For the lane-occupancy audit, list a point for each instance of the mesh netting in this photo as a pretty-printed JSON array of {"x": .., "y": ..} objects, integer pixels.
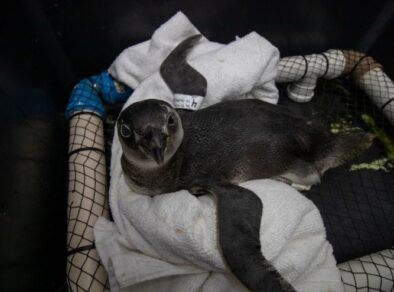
[
  {"x": 371, "y": 273},
  {"x": 356, "y": 206},
  {"x": 303, "y": 72},
  {"x": 355, "y": 200},
  {"x": 87, "y": 201}
]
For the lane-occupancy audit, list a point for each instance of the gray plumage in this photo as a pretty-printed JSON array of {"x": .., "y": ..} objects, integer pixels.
[{"x": 236, "y": 141}]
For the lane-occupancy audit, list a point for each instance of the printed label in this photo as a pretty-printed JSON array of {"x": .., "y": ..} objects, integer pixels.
[{"x": 189, "y": 102}]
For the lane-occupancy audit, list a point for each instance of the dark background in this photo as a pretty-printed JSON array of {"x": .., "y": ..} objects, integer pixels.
[{"x": 47, "y": 46}]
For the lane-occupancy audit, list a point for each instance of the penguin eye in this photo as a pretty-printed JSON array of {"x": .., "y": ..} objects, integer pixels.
[
  {"x": 125, "y": 131},
  {"x": 171, "y": 120}
]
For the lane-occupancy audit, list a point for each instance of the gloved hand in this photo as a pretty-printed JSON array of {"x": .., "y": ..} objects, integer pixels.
[{"x": 90, "y": 94}]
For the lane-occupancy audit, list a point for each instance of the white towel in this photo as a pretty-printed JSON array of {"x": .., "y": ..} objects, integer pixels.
[
  {"x": 169, "y": 242},
  {"x": 245, "y": 68}
]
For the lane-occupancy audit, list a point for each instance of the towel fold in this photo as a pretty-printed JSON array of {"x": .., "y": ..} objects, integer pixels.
[
  {"x": 169, "y": 242},
  {"x": 245, "y": 68}
]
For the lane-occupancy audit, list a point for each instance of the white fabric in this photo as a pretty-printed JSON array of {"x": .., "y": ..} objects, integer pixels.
[
  {"x": 244, "y": 68},
  {"x": 169, "y": 242}
]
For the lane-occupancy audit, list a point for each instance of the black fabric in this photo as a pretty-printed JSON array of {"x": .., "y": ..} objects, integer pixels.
[
  {"x": 32, "y": 205},
  {"x": 357, "y": 208},
  {"x": 93, "y": 32},
  {"x": 33, "y": 169}
]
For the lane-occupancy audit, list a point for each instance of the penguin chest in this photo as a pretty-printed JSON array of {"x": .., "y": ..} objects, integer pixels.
[{"x": 149, "y": 181}]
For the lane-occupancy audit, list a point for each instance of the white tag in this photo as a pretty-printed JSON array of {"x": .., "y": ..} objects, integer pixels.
[{"x": 189, "y": 102}]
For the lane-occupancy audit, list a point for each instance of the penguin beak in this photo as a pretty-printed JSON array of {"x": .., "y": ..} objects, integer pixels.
[
  {"x": 158, "y": 143},
  {"x": 158, "y": 155}
]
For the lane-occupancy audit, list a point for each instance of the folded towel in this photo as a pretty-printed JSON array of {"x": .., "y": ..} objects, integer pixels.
[
  {"x": 169, "y": 242},
  {"x": 245, "y": 68}
]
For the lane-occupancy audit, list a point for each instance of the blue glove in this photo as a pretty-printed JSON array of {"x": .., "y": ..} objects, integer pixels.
[{"x": 90, "y": 94}]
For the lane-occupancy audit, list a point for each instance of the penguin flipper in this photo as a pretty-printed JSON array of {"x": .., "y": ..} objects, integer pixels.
[
  {"x": 239, "y": 212},
  {"x": 179, "y": 76}
]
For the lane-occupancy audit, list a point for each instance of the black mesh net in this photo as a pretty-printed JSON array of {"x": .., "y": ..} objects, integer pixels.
[
  {"x": 87, "y": 201},
  {"x": 356, "y": 200},
  {"x": 357, "y": 206},
  {"x": 373, "y": 272}
]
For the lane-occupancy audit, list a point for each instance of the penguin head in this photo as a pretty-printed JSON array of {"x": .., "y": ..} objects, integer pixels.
[{"x": 150, "y": 132}]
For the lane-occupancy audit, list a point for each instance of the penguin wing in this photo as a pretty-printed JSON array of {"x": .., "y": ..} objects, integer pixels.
[
  {"x": 179, "y": 76},
  {"x": 239, "y": 217}
]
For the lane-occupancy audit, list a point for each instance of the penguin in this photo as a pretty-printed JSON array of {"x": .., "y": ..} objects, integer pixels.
[
  {"x": 232, "y": 141},
  {"x": 212, "y": 150}
]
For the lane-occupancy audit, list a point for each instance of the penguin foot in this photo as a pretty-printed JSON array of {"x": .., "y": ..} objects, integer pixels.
[
  {"x": 198, "y": 191},
  {"x": 301, "y": 188},
  {"x": 302, "y": 176},
  {"x": 297, "y": 186}
]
